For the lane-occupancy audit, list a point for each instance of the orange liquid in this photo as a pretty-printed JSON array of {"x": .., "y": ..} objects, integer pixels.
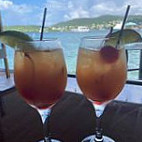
[
  {"x": 40, "y": 76},
  {"x": 100, "y": 80}
]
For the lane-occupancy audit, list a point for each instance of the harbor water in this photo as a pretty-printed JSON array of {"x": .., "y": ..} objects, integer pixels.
[{"x": 70, "y": 42}]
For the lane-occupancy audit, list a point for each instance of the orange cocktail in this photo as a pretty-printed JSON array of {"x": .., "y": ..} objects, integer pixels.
[
  {"x": 101, "y": 77},
  {"x": 40, "y": 76}
]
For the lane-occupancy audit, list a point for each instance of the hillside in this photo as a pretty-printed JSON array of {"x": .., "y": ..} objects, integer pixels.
[
  {"x": 26, "y": 28},
  {"x": 105, "y": 19}
]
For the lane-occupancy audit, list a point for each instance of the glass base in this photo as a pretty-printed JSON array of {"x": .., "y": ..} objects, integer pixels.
[
  {"x": 52, "y": 140},
  {"x": 91, "y": 139}
]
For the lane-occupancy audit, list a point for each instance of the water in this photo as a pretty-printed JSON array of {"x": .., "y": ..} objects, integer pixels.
[{"x": 70, "y": 42}]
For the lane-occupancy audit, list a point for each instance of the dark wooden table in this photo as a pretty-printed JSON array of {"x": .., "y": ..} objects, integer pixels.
[{"x": 72, "y": 119}]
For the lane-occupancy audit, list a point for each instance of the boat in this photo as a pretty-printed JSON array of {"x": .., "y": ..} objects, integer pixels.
[
  {"x": 118, "y": 26},
  {"x": 81, "y": 29}
]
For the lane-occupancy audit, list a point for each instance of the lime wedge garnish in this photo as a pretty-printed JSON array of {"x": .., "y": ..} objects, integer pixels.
[
  {"x": 128, "y": 36},
  {"x": 12, "y": 38}
]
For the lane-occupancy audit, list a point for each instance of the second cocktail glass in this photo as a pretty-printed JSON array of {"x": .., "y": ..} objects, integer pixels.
[
  {"x": 40, "y": 74},
  {"x": 101, "y": 75}
]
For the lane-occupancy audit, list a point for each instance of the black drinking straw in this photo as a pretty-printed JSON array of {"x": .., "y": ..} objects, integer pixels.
[
  {"x": 122, "y": 27},
  {"x": 43, "y": 24}
]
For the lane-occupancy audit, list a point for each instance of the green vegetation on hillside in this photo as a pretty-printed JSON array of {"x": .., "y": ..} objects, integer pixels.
[
  {"x": 89, "y": 21},
  {"x": 31, "y": 28},
  {"x": 105, "y": 21}
]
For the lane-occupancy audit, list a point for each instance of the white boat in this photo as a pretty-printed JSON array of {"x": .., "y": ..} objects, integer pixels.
[
  {"x": 117, "y": 26},
  {"x": 81, "y": 29}
]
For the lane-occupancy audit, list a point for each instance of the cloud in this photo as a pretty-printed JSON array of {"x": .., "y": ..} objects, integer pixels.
[
  {"x": 95, "y": 8},
  {"x": 5, "y": 4},
  {"x": 79, "y": 13},
  {"x": 58, "y": 11},
  {"x": 106, "y": 8},
  {"x": 56, "y": 5},
  {"x": 136, "y": 6},
  {"x": 19, "y": 14},
  {"x": 64, "y": 10},
  {"x": 22, "y": 8}
]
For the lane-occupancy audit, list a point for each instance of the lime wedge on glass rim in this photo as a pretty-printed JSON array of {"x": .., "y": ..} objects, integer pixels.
[
  {"x": 109, "y": 52},
  {"x": 129, "y": 36},
  {"x": 12, "y": 38}
]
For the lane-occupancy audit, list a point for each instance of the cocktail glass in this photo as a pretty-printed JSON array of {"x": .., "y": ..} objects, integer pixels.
[
  {"x": 40, "y": 75},
  {"x": 101, "y": 74}
]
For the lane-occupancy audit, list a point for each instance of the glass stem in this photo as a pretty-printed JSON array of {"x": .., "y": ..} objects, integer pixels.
[
  {"x": 45, "y": 114},
  {"x": 99, "y": 109},
  {"x": 99, "y": 136},
  {"x": 47, "y": 139}
]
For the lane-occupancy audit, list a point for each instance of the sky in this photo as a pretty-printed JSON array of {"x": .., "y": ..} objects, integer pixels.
[{"x": 30, "y": 12}]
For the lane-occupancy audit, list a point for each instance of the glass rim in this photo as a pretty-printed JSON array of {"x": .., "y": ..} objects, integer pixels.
[
  {"x": 38, "y": 45},
  {"x": 96, "y": 37},
  {"x": 38, "y": 40}
]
